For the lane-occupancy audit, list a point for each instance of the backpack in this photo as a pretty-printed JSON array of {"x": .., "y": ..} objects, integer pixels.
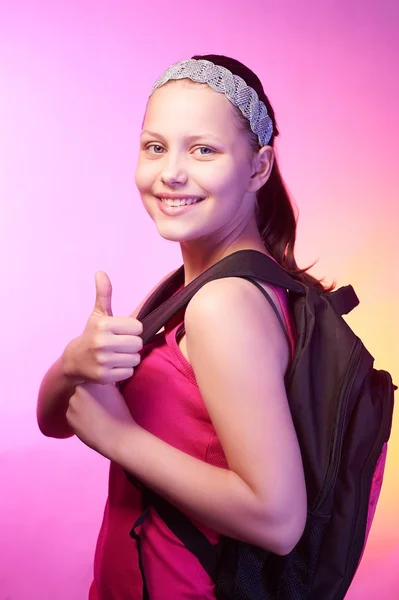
[{"x": 342, "y": 410}]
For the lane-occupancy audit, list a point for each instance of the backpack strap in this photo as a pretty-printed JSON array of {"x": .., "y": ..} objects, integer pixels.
[
  {"x": 343, "y": 300},
  {"x": 162, "y": 293},
  {"x": 274, "y": 307},
  {"x": 244, "y": 263},
  {"x": 180, "y": 525},
  {"x": 185, "y": 531}
]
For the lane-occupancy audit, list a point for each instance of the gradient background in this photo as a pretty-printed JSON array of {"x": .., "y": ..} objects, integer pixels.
[{"x": 74, "y": 79}]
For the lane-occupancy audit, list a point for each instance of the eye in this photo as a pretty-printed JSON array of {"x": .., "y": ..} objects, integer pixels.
[
  {"x": 156, "y": 147},
  {"x": 209, "y": 152}
]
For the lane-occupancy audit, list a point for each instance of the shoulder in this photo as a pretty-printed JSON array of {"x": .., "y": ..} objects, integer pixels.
[{"x": 235, "y": 310}]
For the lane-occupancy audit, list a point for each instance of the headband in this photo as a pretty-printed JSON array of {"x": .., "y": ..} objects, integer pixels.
[{"x": 225, "y": 82}]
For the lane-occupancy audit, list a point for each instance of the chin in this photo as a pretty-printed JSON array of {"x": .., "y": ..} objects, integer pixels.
[{"x": 173, "y": 234}]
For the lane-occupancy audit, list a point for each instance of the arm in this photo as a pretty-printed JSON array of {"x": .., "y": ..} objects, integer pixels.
[
  {"x": 239, "y": 355},
  {"x": 57, "y": 388},
  {"x": 55, "y": 392}
]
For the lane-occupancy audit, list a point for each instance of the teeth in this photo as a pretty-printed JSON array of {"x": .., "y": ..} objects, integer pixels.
[{"x": 181, "y": 202}]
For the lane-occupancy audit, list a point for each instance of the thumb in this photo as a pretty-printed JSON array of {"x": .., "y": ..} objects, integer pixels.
[{"x": 103, "y": 294}]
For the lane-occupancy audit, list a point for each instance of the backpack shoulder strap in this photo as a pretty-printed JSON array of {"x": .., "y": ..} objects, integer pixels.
[
  {"x": 274, "y": 307},
  {"x": 165, "y": 290},
  {"x": 244, "y": 263}
]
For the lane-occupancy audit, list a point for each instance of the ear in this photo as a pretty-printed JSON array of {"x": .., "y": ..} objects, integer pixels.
[{"x": 262, "y": 167}]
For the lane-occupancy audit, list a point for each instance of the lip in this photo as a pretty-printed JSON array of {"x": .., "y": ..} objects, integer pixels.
[
  {"x": 174, "y": 211},
  {"x": 170, "y": 196}
]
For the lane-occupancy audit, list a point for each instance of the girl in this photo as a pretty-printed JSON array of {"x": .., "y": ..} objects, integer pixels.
[{"x": 204, "y": 421}]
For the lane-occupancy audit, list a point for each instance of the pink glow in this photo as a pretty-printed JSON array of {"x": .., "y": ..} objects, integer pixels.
[{"x": 74, "y": 79}]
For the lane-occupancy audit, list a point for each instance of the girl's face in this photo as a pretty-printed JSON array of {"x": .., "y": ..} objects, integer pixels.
[{"x": 191, "y": 148}]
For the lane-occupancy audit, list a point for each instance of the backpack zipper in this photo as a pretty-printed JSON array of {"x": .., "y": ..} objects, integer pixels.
[
  {"x": 332, "y": 472},
  {"x": 360, "y": 524}
]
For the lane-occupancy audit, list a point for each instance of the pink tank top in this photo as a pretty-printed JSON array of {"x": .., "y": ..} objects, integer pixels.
[{"x": 164, "y": 398}]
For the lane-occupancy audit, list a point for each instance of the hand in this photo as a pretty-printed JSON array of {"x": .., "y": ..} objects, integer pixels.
[
  {"x": 108, "y": 349},
  {"x": 98, "y": 414}
]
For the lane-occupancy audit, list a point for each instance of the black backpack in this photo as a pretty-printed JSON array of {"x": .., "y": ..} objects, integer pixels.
[{"x": 342, "y": 411}]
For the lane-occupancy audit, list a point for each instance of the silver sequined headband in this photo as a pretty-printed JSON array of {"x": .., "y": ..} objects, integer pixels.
[{"x": 232, "y": 86}]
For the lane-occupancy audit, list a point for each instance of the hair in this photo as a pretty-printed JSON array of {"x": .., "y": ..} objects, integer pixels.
[{"x": 275, "y": 215}]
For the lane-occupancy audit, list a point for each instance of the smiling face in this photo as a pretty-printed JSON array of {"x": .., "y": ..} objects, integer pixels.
[{"x": 191, "y": 147}]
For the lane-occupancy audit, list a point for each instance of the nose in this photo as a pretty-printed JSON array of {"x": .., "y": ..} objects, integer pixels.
[{"x": 174, "y": 173}]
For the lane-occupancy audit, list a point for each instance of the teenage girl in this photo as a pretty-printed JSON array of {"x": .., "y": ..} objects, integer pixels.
[{"x": 201, "y": 416}]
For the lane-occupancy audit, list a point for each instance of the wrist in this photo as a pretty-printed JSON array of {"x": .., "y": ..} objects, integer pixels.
[
  {"x": 68, "y": 364},
  {"x": 124, "y": 446}
]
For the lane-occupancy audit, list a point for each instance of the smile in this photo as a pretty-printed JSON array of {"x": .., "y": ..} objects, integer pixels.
[
  {"x": 180, "y": 201},
  {"x": 174, "y": 207}
]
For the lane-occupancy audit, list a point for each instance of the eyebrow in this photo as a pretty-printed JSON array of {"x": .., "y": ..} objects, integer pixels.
[{"x": 189, "y": 138}]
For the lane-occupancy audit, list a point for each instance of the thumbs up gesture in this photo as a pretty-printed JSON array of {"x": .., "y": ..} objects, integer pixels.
[
  {"x": 103, "y": 303},
  {"x": 108, "y": 349}
]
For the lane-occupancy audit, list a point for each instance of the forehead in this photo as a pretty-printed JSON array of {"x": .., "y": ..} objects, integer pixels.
[{"x": 185, "y": 105}]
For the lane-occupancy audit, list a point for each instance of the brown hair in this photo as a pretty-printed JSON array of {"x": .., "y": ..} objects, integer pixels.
[{"x": 276, "y": 219}]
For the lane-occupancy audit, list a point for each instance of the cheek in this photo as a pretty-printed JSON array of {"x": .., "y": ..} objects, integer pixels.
[
  {"x": 144, "y": 175},
  {"x": 216, "y": 178},
  {"x": 227, "y": 183}
]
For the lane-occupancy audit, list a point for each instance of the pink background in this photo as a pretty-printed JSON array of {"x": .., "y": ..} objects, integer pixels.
[{"x": 74, "y": 78}]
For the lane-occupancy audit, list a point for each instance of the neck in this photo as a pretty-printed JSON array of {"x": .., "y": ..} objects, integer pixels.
[{"x": 200, "y": 255}]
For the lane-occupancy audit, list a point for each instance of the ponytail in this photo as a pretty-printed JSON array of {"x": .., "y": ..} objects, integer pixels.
[{"x": 277, "y": 226}]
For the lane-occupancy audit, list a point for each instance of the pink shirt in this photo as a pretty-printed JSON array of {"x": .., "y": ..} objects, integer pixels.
[{"x": 164, "y": 398}]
